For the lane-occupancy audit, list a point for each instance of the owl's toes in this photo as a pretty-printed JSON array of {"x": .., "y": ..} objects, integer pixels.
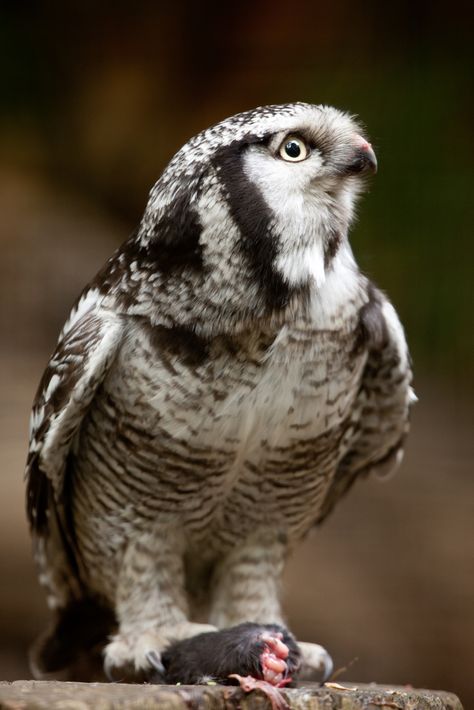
[
  {"x": 316, "y": 662},
  {"x": 154, "y": 659},
  {"x": 134, "y": 658}
]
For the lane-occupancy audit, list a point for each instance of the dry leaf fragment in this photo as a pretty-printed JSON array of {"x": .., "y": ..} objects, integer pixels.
[{"x": 337, "y": 686}]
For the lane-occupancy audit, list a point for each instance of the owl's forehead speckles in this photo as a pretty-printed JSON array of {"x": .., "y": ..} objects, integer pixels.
[
  {"x": 255, "y": 124},
  {"x": 324, "y": 125}
]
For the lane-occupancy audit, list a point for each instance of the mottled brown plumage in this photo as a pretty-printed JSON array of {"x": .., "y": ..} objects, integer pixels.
[{"x": 220, "y": 384}]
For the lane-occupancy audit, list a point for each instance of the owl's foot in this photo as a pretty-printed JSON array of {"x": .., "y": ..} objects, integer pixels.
[
  {"x": 316, "y": 663},
  {"x": 265, "y": 652},
  {"x": 136, "y": 657}
]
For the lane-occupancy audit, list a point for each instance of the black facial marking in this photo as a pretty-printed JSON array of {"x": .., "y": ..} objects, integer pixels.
[
  {"x": 173, "y": 246},
  {"x": 253, "y": 217},
  {"x": 175, "y": 241}
]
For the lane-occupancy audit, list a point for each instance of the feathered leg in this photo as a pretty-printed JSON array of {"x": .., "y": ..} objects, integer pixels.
[
  {"x": 248, "y": 584},
  {"x": 151, "y": 608}
]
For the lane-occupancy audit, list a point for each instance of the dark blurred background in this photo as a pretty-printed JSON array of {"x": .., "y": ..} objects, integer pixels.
[{"x": 95, "y": 98}]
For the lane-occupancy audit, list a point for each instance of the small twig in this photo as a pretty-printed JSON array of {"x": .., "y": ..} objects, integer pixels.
[{"x": 342, "y": 670}]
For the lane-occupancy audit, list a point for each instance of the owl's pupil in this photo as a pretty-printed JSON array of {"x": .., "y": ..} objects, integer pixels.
[{"x": 292, "y": 149}]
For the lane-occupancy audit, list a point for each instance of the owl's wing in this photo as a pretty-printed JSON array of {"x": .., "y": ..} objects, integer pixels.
[
  {"x": 86, "y": 348},
  {"x": 383, "y": 401}
]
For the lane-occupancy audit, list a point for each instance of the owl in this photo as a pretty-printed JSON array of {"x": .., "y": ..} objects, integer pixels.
[{"x": 216, "y": 389}]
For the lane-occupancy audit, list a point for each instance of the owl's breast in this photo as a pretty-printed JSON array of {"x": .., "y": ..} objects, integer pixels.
[
  {"x": 238, "y": 425},
  {"x": 299, "y": 385},
  {"x": 220, "y": 436},
  {"x": 291, "y": 428}
]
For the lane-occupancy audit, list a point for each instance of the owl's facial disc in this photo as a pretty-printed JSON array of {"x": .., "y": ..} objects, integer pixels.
[{"x": 309, "y": 178}]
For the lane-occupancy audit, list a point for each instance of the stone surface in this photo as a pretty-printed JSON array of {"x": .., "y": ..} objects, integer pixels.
[{"x": 53, "y": 695}]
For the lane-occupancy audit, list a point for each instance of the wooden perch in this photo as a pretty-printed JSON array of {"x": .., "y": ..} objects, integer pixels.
[{"x": 54, "y": 695}]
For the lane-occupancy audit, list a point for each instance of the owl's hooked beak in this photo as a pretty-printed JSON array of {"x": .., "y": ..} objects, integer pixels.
[{"x": 363, "y": 159}]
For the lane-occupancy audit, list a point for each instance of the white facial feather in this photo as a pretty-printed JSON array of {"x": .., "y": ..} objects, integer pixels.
[
  {"x": 297, "y": 211},
  {"x": 343, "y": 284},
  {"x": 308, "y": 198},
  {"x": 303, "y": 265}
]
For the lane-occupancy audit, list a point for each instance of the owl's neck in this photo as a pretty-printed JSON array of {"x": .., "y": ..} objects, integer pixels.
[{"x": 223, "y": 297}]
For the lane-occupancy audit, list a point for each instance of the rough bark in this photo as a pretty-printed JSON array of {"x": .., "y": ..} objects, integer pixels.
[{"x": 53, "y": 695}]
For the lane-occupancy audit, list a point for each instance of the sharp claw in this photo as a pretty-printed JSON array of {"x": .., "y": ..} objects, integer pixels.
[
  {"x": 154, "y": 660},
  {"x": 109, "y": 674},
  {"x": 315, "y": 658},
  {"x": 328, "y": 666}
]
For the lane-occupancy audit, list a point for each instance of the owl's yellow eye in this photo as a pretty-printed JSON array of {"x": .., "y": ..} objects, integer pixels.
[{"x": 293, "y": 149}]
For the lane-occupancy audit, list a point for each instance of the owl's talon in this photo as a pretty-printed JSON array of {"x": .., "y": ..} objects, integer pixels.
[
  {"x": 109, "y": 675},
  {"x": 316, "y": 661},
  {"x": 137, "y": 656},
  {"x": 154, "y": 660},
  {"x": 328, "y": 665},
  {"x": 134, "y": 658}
]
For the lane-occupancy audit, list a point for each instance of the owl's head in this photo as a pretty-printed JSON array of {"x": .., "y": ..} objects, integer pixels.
[{"x": 262, "y": 200}]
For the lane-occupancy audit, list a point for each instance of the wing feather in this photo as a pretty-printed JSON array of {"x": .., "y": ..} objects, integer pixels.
[
  {"x": 84, "y": 353},
  {"x": 383, "y": 401}
]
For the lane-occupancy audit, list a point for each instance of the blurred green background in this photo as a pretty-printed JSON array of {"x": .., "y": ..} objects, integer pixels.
[{"x": 95, "y": 98}]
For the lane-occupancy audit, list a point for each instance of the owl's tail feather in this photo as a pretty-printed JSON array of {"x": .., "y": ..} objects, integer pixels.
[{"x": 71, "y": 647}]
